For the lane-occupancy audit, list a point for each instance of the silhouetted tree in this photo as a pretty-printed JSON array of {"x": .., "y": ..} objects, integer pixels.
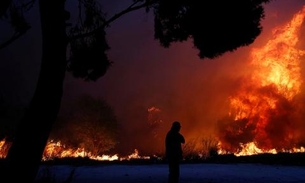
[
  {"x": 215, "y": 27},
  {"x": 90, "y": 124},
  {"x": 10, "y": 115},
  {"x": 34, "y": 128}
]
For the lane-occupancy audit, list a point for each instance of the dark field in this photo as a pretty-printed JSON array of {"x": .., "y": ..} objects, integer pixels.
[{"x": 263, "y": 168}]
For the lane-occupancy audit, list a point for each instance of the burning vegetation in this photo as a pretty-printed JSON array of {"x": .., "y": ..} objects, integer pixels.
[{"x": 267, "y": 113}]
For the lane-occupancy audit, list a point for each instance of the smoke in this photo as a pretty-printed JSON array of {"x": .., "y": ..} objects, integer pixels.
[
  {"x": 193, "y": 91},
  {"x": 268, "y": 107}
]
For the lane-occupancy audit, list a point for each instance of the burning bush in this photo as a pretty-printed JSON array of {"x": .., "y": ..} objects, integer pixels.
[
  {"x": 200, "y": 148},
  {"x": 90, "y": 125}
]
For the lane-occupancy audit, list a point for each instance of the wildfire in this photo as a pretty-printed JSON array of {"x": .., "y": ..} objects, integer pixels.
[
  {"x": 266, "y": 112},
  {"x": 57, "y": 150},
  {"x": 250, "y": 149}
]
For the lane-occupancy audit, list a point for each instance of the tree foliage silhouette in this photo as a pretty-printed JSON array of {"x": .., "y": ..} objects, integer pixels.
[{"x": 214, "y": 26}]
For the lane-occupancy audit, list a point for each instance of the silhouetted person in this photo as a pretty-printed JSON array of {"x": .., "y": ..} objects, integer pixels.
[{"x": 173, "y": 151}]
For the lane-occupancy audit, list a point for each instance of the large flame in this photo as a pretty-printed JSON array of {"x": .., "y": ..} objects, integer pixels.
[{"x": 266, "y": 112}]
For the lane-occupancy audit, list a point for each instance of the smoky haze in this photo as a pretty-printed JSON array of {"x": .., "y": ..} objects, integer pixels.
[{"x": 144, "y": 75}]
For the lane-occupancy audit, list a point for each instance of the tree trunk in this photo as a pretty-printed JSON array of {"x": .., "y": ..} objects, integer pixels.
[{"x": 24, "y": 157}]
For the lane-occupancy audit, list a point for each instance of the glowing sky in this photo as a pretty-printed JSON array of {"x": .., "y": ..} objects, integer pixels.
[{"x": 144, "y": 74}]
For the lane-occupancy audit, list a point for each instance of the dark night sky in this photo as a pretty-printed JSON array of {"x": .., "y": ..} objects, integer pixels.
[{"x": 143, "y": 74}]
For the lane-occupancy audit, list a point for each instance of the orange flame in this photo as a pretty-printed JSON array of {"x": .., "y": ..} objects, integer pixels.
[
  {"x": 265, "y": 112},
  {"x": 57, "y": 150}
]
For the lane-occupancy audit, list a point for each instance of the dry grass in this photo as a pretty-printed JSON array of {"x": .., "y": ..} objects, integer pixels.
[{"x": 200, "y": 148}]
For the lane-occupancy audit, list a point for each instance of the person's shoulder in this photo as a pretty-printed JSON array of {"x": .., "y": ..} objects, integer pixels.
[
  {"x": 181, "y": 135},
  {"x": 169, "y": 133}
]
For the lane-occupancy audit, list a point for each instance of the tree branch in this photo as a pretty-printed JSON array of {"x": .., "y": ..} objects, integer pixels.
[
  {"x": 131, "y": 8},
  {"x": 28, "y": 5},
  {"x": 4, "y": 5},
  {"x": 12, "y": 39}
]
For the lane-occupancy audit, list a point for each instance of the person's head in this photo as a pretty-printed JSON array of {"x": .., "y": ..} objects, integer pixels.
[{"x": 176, "y": 126}]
